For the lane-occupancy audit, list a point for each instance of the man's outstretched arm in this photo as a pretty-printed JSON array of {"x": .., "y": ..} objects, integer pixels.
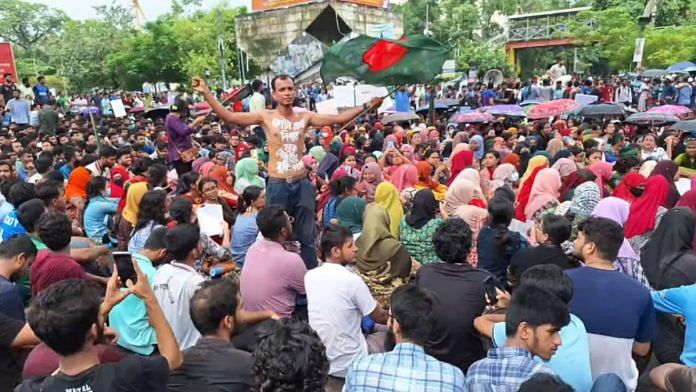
[
  {"x": 319, "y": 120},
  {"x": 242, "y": 119}
]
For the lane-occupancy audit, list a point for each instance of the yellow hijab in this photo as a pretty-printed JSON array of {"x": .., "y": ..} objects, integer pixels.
[
  {"x": 133, "y": 197},
  {"x": 535, "y": 162},
  {"x": 387, "y": 197}
]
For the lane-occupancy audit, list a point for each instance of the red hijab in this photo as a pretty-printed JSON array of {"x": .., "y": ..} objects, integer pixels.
[
  {"x": 525, "y": 192},
  {"x": 629, "y": 181},
  {"x": 462, "y": 160},
  {"x": 643, "y": 211}
]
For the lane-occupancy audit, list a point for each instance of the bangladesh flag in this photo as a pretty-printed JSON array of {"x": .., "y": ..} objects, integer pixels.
[{"x": 379, "y": 61}]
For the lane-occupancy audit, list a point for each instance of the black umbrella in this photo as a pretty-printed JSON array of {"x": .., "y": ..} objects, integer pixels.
[
  {"x": 651, "y": 118},
  {"x": 685, "y": 125},
  {"x": 602, "y": 110}
]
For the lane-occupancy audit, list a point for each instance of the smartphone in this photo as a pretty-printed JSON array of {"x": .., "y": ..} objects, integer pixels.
[
  {"x": 489, "y": 285},
  {"x": 124, "y": 265}
]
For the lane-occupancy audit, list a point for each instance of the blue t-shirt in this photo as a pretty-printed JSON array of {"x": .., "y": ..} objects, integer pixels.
[
  {"x": 572, "y": 360},
  {"x": 11, "y": 304},
  {"x": 10, "y": 226},
  {"x": 681, "y": 300},
  {"x": 617, "y": 311},
  {"x": 402, "y": 100},
  {"x": 243, "y": 236}
]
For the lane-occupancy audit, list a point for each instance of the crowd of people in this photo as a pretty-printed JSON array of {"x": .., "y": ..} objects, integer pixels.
[{"x": 350, "y": 255}]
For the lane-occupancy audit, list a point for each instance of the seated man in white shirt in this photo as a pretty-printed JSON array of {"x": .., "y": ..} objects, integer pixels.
[
  {"x": 337, "y": 300},
  {"x": 176, "y": 282}
]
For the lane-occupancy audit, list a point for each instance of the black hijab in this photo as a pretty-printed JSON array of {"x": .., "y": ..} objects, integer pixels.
[
  {"x": 669, "y": 251},
  {"x": 425, "y": 208}
]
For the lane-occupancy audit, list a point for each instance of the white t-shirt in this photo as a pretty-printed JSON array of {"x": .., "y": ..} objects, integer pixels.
[
  {"x": 337, "y": 300},
  {"x": 174, "y": 285}
]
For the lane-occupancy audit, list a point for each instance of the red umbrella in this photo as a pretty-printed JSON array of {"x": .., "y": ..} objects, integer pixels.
[
  {"x": 552, "y": 108},
  {"x": 471, "y": 118}
]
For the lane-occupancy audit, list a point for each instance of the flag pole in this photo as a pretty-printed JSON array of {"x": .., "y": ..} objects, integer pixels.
[{"x": 367, "y": 110}]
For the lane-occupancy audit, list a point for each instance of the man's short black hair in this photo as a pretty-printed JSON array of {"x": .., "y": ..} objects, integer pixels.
[
  {"x": 607, "y": 235},
  {"x": 29, "y": 212},
  {"x": 551, "y": 278},
  {"x": 545, "y": 382},
  {"x": 181, "y": 240},
  {"x": 333, "y": 236},
  {"x": 536, "y": 307},
  {"x": 270, "y": 221},
  {"x": 281, "y": 77},
  {"x": 212, "y": 302},
  {"x": 62, "y": 314},
  {"x": 55, "y": 230},
  {"x": 17, "y": 245},
  {"x": 108, "y": 152},
  {"x": 289, "y": 357},
  {"x": 21, "y": 192},
  {"x": 557, "y": 227},
  {"x": 48, "y": 191},
  {"x": 414, "y": 309},
  {"x": 452, "y": 241},
  {"x": 157, "y": 239}
]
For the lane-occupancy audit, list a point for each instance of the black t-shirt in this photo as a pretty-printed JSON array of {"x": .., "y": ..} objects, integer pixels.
[
  {"x": 133, "y": 373},
  {"x": 10, "y": 360},
  {"x": 460, "y": 291}
]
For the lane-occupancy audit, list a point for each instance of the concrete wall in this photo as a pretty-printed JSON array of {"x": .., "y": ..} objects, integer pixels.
[{"x": 263, "y": 35}]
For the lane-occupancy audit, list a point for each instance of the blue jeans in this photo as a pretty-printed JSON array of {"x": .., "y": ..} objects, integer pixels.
[
  {"x": 608, "y": 382},
  {"x": 297, "y": 198}
]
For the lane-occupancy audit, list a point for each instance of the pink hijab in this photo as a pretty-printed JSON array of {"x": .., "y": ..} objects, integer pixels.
[{"x": 544, "y": 190}]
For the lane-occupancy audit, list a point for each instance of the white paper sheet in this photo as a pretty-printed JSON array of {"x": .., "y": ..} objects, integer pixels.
[{"x": 210, "y": 219}]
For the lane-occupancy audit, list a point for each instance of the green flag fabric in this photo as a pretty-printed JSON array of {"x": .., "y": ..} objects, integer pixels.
[{"x": 379, "y": 61}]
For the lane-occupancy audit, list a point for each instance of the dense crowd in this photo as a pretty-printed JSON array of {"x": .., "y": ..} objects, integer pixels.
[{"x": 287, "y": 250}]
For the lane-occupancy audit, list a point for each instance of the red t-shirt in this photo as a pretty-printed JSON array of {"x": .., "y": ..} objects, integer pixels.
[{"x": 50, "y": 267}]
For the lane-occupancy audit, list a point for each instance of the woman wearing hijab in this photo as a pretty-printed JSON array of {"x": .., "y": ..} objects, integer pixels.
[
  {"x": 504, "y": 175},
  {"x": 247, "y": 172},
  {"x": 668, "y": 256},
  {"x": 461, "y": 160},
  {"x": 382, "y": 261},
  {"x": 565, "y": 167},
  {"x": 535, "y": 162},
  {"x": 573, "y": 181},
  {"x": 425, "y": 180},
  {"x": 370, "y": 178},
  {"x": 645, "y": 213},
  {"x": 350, "y": 214},
  {"x": 477, "y": 146},
  {"x": 418, "y": 228},
  {"x": 630, "y": 188},
  {"x": 603, "y": 171},
  {"x": 627, "y": 261},
  {"x": 670, "y": 171},
  {"x": 387, "y": 196},
  {"x": 544, "y": 193},
  {"x": 129, "y": 216}
]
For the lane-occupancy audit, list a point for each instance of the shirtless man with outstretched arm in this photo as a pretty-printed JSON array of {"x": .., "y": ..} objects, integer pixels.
[{"x": 285, "y": 130}]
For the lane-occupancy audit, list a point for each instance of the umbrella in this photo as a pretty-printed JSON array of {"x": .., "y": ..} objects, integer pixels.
[
  {"x": 157, "y": 112},
  {"x": 602, "y": 110},
  {"x": 689, "y": 126},
  {"x": 653, "y": 118},
  {"x": 438, "y": 106},
  {"x": 676, "y": 110},
  {"x": 400, "y": 117},
  {"x": 504, "y": 110},
  {"x": 471, "y": 117},
  {"x": 653, "y": 73},
  {"x": 684, "y": 66},
  {"x": 552, "y": 108}
]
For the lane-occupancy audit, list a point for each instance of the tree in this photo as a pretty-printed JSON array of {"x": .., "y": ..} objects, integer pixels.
[{"x": 27, "y": 24}]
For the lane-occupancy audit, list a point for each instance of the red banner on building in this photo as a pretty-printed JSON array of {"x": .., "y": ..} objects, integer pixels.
[{"x": 7, "y": 63}]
